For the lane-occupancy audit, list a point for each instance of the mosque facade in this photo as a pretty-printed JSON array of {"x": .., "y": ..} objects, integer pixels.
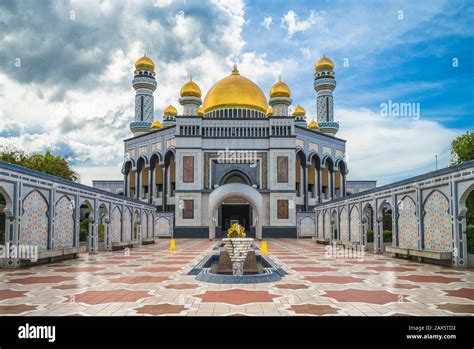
[{"x": 234, "y": 155}]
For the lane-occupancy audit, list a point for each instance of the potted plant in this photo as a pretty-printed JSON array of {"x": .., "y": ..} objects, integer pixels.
[{"x": 237, "y": 245}]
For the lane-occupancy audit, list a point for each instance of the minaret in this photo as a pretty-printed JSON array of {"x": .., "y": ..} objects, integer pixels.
[
  {"x": 169, "y": 116},
  {"x": 280, "y": 98},
  {"x": 300, "y": 116},
  {"x": 190, "y": 98},
  {"x": 144, "y": 84},
  {"x": 324, "y": 84}
]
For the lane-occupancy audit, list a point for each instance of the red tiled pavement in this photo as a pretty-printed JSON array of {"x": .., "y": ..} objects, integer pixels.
[
  {"x": 365, "y": 296},
  {"x": 429, "y": 278},
  {"x": 236, "y": 296},
  {"x": 462, "y": 293},
  {"x": 314, "y": 269},
  {"x": 99, "y": 297},
  {"x": 332, "y": 279},
  {"x": 8, "y": 294},
  {"x": 139, "y": 279},
  {"x": 41, "y": 280}
]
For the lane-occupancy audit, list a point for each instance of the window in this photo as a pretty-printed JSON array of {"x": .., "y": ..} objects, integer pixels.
[
  {"x": 282, "y": 209},
  {"x": 188, "y": 169},
  {"x": 188, "y": 209},
  {"x": 282, "y": 169}
]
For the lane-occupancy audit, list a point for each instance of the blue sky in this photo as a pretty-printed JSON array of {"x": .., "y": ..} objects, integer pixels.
[{"x": 72, "y": 90}]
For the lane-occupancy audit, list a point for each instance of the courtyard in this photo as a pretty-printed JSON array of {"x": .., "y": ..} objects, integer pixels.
[{"x": 152, "y": 280}]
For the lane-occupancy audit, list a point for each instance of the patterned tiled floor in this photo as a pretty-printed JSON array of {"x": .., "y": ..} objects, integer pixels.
[{"x": 152, "y": 280}]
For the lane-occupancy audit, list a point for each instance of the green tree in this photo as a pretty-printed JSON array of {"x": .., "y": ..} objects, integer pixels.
[
  {"x": 462, "y": 148},
  {"x": 48, "y": 163}
]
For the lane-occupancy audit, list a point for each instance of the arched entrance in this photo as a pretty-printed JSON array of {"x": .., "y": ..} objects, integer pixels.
[{"x": 236, "y": 192}]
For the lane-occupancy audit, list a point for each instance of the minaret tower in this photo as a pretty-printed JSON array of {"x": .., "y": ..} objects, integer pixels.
[
  {"x": 300, "y": 116},
  {"x": 279, "y": 98},
  {"x": 190, "y": 98},
  {"x": 144, "y": 84},
  {"x": 324, "y": 84},
  {"x": 169, "y": 116}
]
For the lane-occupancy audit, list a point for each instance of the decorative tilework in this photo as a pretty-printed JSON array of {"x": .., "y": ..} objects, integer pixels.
[
  {"x": 437, "y": 222},
  {"x": 343, "y": 226},
  {"x": 116, "y": 225},
  {"x": 320, "y": 225},
  {"x": 150, "y": 225},
  {"x": 407, "y": 223},
  {"x": 127, "y": 225},
  {"x": 64, "y": 224},
  {"x": 144, "y": 225},
  {"x": 327, "y": 225},
  {"x": 34, "y": 221},
  {"x": 355, "y": 224}
]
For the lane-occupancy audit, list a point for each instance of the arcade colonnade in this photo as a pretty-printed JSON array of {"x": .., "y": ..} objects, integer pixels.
[
  {"x": 428, "y": 216},
  {"x": 151, "y": 180},
  {"x": 319, "y": 179}
]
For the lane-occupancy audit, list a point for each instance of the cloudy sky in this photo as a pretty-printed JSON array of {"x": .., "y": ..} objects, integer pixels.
[{"x": 66, "y": 70}]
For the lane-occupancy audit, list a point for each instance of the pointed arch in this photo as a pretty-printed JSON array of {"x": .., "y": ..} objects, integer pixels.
[
  {"x": 64, "y": 227},
  {"x": 34, "y": 225},
  {"x": 437, "y": 225}
]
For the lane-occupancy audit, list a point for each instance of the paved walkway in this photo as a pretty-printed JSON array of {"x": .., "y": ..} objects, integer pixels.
[{"x": 151, "y": 280}]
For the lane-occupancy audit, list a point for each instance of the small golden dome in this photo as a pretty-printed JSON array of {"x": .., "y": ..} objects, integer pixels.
[
  {"x": 313, "y": 125},
  {"x": 324, "y": 63},
  {"x": 270, "y": 111},
  {"x": 299, "y": 111},
  {"x": 190, "y": 89},
  {"x": 201, "y": 111},
  {"x": 170, "y": 110},
  {"x": 235, "y": 91},
  {"x": 280, "y": 89},
  {"x": 144, "y": 62},
  {"x": 156, "y": 124}
]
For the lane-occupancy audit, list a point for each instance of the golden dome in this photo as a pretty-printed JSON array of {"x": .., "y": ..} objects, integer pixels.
[
  {"x": 200, "y": 111},
  {"x": 280, "y": 89},
  {"x": 144, "y": 62},
  {"x": 156, "y": 124},
  {"x": 235, "y": 91},
  {"x": 324, "y": 63},
  {"x": 270, "y": 111},
  {"x": 299, "y": 111},
  {"x": 190, "y": 89},
  {"x": 170, "y": 110},
  {"x": 313, "y": 125}
]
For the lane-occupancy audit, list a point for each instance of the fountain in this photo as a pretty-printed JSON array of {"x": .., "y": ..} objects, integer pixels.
[{"x": 236, "y": 261}]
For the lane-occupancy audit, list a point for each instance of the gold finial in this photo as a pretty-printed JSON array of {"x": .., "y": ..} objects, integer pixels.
[{"x": 235, "y": 71}]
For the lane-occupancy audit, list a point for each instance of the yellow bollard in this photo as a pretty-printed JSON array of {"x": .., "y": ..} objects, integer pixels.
[
  {"x": 264, "y": 248},
  {"x": 172, "y": 245}
]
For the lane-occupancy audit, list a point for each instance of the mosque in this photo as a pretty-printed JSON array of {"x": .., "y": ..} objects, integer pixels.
[{"x": 234, "y": 156}]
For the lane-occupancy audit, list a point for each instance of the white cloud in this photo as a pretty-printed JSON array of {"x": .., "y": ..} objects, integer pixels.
[
  {"x": 306, "y": 52},
  {"x": 389, "y": 149},
  {"x": 293, "y": 25},
  {"x": 267, "y": 21}
]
